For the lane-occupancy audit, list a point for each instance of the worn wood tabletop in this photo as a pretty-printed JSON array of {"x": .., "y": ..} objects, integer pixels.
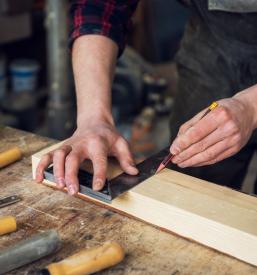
[{"x": 82, "y": 224}]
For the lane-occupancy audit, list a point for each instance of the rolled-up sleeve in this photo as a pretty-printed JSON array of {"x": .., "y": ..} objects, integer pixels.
[{"x": 104, "y": 17}]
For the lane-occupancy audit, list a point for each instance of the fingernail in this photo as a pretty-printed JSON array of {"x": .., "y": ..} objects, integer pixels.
[
  {"x": 181, "y": 165},
  {"x": 71, "y": 190},
  {"x": 61, "y": 181},
  {"x": 133, "y": 170},
  {"x": 38, "y": 177},
  {"x": 174, "y": 150},
  {"x": 98, "y": 185}
]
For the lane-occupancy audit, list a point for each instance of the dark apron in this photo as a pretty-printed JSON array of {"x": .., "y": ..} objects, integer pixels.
[
  {"x": 238, "y": 6},
  {"x": 217, "y": 58}
]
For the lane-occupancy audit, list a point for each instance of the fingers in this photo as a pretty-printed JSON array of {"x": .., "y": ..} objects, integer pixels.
[
  {"x": 95, "y": 145},
  {"x": 59, "y": 157},
  {"x": 99, "y": 161},
  {"x": 97, "y": 150},
  {"x": 72, "y": 164},
  {"x": 218, "y": 135},
  {"x": 65, "y": 168},
  {"x": 200, "y": 129},
  {"x": 226, "y": 154},
  {"x": 124, "y": 156},
  {"x": 212, "y": 154},
  {"x": 45, "y": 161},
  {"x": 183, "y": 128}
]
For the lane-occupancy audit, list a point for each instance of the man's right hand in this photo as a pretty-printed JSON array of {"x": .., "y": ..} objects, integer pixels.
[{"x": 94, "y": 140}]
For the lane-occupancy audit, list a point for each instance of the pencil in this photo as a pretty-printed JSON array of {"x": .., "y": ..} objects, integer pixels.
[{"x": 168, "y": 158}]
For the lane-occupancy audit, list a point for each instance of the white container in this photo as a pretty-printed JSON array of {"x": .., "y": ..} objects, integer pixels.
[
  {"x": 2, "y": 77},
  {"x": 24, "y": 74}
]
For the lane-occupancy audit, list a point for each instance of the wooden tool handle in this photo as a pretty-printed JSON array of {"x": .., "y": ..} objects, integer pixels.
[
  {"x": 10, "y": 156},
  {"x": 89, "y": 261},
  {"x": 7, "y": 225}
]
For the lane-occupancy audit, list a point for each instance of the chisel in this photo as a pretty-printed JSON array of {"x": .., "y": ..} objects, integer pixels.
[
  {"x": 10, "y": 156},
  {"x": 29, "y": 250},
  {"x": 87, "y": 261},
  {"x": 7, "y": 225}
]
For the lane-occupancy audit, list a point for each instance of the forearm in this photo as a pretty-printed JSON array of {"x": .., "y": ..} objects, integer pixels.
[
  {"x": 249, "y": 98},
  {"x": 94, "y": 59}
]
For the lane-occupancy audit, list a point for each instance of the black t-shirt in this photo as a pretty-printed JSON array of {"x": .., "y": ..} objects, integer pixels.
[{"x": 230, "y": 25}]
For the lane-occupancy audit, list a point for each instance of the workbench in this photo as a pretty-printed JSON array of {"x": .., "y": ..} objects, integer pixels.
[{"x": 82, "y": 224}]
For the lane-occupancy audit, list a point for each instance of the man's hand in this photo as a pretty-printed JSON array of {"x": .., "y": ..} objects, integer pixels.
[
  {"x": 95, "y": 141},
  {"x": 93, "y": 59},
  {"x": 219, "y": 135}
]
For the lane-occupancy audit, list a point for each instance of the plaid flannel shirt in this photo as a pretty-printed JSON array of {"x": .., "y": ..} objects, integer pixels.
[{"x": 111, "y": 18}]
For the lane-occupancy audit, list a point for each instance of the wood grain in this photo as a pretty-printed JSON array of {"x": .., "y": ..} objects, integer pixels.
[
  {"x": 82, "y": 224},
  {"x": 215, "y": 216}
]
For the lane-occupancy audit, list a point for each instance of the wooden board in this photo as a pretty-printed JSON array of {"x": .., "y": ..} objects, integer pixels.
[
  {"x": 82, "y": 224},
  {"x": 215, "y": 216}
]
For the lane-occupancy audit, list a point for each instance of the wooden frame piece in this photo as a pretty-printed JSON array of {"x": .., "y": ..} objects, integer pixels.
[{"x": 213, "y": 215}]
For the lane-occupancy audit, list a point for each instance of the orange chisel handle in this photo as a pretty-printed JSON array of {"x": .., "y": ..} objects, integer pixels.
[{"x": 10, "y": 156}]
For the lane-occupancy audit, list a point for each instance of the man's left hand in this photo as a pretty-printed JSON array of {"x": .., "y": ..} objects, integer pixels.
[{"x": 219, "y": 135}]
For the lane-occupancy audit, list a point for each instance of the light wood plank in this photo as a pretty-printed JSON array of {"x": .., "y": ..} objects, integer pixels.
[{"x": 212, "y": 215}]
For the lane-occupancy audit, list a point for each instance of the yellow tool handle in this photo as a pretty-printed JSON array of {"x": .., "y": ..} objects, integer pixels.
[
  {"x": 10, "y": 156},
  {"x": 7, "y": 225},
  {"x": 89, "y": 261}
]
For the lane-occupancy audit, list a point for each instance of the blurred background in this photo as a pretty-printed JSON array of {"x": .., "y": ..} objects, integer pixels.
[{"x": 36, "y": 83}]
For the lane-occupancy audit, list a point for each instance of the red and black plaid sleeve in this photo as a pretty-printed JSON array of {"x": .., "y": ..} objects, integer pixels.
[{"x": 111, "y": 18}]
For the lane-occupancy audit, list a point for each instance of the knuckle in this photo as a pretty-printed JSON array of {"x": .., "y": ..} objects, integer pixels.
[
  {"x": 195, "y": 133},
  {"x": 213, "y": 161},
  {"x": 57, "y": 170},
  {"x": 100, "y": 160},
  {"x": 39, "y": 169},
  {"x": 127, "y": 161},
  {"x": 71, "y": 158},
  {"x": 70, "y": 175},
  {"x": 224, "y": 113},
  {"x": 237, "y": 138},
  {"x": 233, "y": 126},
  {"x": 209, "y": 155},
  {"x": 45, "y": 158},
  {"x": 182, "y": 142},
  {"x": 182, "y": 128},
  {"x": 124, "y": 142},
  {"x": 237, "y": 147},
  {"x": 59, "y": 153},
  {"x": 93, "y": 138},
  {"x": 201, "y": 146}
]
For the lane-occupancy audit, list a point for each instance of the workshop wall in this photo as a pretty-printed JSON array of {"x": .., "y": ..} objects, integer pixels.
[{"x": 144, "y": 83}]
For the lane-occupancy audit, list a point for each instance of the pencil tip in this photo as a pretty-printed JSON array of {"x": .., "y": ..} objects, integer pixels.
[{"x": 159, "y": 168}]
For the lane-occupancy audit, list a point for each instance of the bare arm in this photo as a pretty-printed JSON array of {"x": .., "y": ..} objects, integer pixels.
[{"x": 93, "y": 59}]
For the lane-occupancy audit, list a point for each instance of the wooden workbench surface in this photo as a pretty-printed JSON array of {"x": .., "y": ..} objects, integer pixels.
[{"x": 82, "y": 224}]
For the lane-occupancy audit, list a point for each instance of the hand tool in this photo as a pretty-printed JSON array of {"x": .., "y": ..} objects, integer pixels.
[
  {"x": 87, "y": 261},
  {"x": 10, "y": 156},
  {"x": 7, "y": 225},
  {"x": 9, "y": 200},
  {"x": 168, "y": 158},
  {"x": 118, "y": 185},
  {"x": 29, "y": 250},
  {"x": 122, "y": 183}
]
